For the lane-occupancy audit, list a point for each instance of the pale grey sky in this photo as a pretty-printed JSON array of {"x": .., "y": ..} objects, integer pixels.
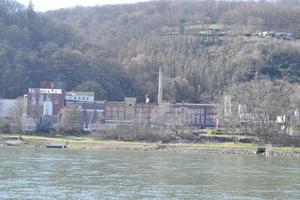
[{"x": 44, "y": 5}]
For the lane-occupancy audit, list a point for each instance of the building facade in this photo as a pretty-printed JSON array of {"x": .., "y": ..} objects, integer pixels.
[
  {"x": 93, "y": 114},
  {"x": 128, "y": 111},
  {"x": 196, "y": 116},
  {"x": 74, "y": 97},
  {"x": 44, "y": 100}
]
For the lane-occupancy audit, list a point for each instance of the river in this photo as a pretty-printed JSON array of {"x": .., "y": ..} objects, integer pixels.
[{"x": 32, "y": 173}]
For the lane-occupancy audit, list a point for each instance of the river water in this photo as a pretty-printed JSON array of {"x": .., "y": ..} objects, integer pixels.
[{"x": 29, "y": 173}]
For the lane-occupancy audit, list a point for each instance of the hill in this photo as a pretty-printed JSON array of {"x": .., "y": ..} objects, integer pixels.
[
  {"x": 202, "y": 46},
  {"x": 197, "y": 67},
  {"x": 34, "y": 48}
]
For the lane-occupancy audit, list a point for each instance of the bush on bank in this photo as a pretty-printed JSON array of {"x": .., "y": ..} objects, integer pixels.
[
  {"x": 147, "y": 135},
  {"x": 167, "y": 136},
  {"x": 279, "y": 139},
  {"x": 153, "y": 135}
]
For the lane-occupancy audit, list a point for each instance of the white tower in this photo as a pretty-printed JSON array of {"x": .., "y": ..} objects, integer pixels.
[{"x": 160, "y": 87}]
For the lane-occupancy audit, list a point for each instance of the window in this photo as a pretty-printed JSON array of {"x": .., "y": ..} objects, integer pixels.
[
  {"x": 202, "y": 119},
  {"x": 210, "y": 119}
]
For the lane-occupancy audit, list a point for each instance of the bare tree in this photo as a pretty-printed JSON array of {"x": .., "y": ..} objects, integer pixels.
[
  {"x": 159, "y": 116},
  {"x": 255, "y": 106},
  {"x": 36, "y": 114},
  {"x": 17, "y": 112},
  {"x": 177, "y": 122},
  {"x": 139, "y": 127},
  {"x": 168, "y": 118},
  {"x": 71, "y": 119},
  {"x": 4, "y": 125}
]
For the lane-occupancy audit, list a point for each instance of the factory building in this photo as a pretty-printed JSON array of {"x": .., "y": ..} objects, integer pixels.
[
  {"x": 77, "y": 97},
  {"x": 47, "y": 100},
  {"x": 127, "y": 111},
  {"x": 196, "y": 116},
  {"x": 44, "y": 100}
]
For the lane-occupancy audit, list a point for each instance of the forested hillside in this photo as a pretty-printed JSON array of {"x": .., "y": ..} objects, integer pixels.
[
  {"x": 117, "y": 50},
  {"x": 34, "y": 48},
  {"x": 197, "y": 68}
]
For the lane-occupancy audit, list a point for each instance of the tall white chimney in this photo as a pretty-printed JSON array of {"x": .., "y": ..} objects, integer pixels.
[{"x": 160, "y": 87}]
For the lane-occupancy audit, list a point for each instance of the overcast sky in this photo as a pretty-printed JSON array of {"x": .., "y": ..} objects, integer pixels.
[{"x": 44, "y": 5}]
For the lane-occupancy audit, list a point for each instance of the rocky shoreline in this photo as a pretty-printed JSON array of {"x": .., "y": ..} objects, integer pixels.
[
  {"x": 206, "y": 150},
  {"x": 146, "y": 147}
]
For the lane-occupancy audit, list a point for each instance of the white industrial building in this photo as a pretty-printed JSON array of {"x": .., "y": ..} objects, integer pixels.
[{"x": 80, "y": 96}]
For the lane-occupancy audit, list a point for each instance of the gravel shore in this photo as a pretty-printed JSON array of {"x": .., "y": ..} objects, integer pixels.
[{"x": 221, "y": 148}]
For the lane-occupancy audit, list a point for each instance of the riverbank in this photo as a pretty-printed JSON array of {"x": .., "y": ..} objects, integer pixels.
[{"x": 90, "y": 143}]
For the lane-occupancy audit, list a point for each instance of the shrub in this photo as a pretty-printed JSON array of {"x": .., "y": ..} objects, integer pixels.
[
  {"x": 216, "y": 132},
  {"x": 5, "y": 127},
  {"x": 280, "y": 140}
]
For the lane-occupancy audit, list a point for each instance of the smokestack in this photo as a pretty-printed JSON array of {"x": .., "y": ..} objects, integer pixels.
[{"x": 160, "y": 87}]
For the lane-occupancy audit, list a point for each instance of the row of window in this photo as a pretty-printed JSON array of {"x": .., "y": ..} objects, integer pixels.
[
  {"x": 199, "y": 111},
  {"x": 44, "y": 97},
  {"x": 80, "y": 98},
  {"x": 194, "y": 119},
  {"x": 34, "y": 102}
]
